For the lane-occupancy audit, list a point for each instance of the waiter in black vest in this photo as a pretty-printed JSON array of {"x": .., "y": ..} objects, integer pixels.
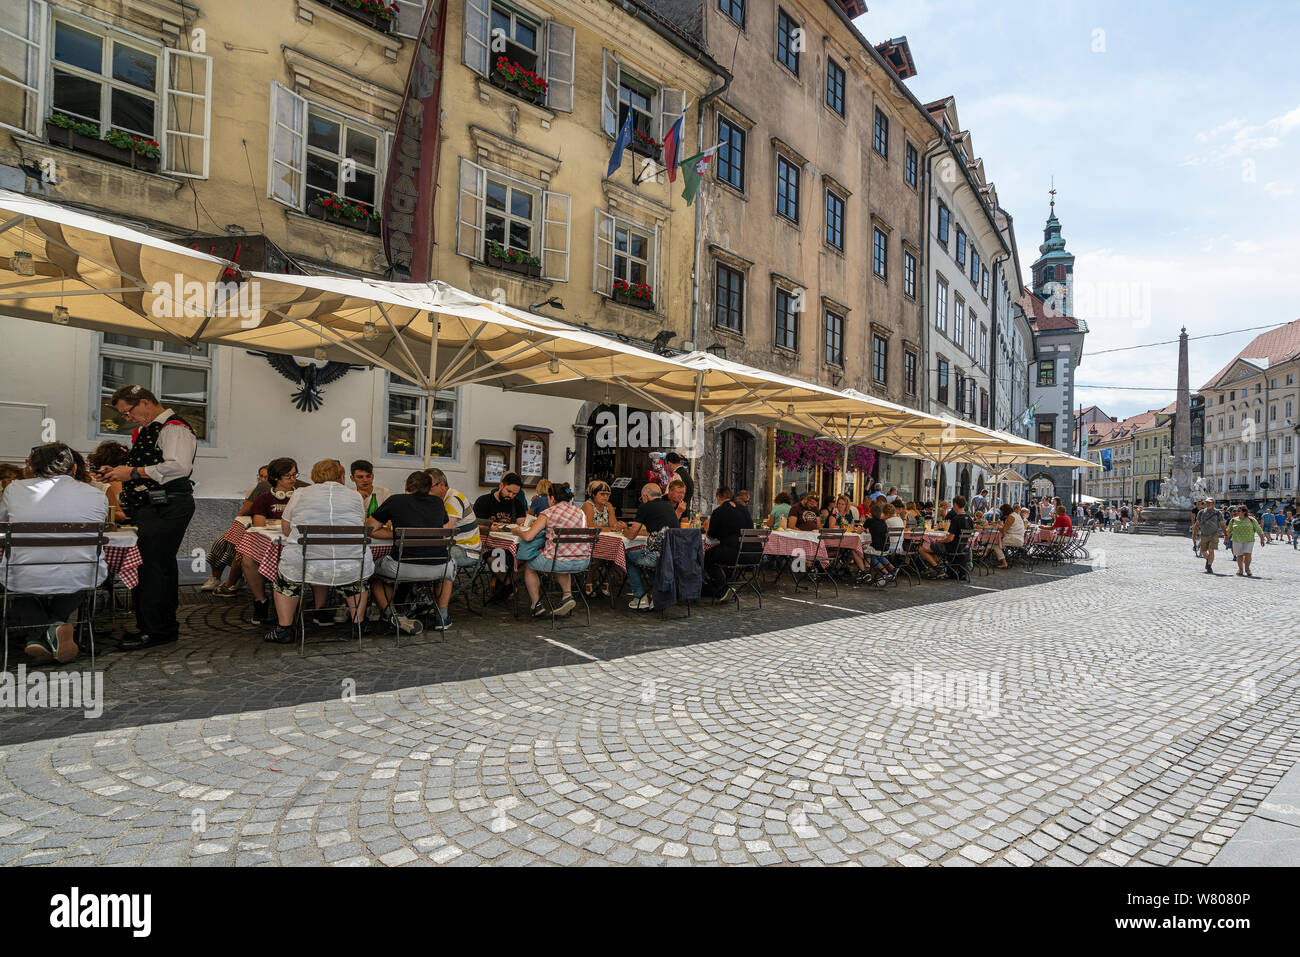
[{"x": 158, "y": 496}]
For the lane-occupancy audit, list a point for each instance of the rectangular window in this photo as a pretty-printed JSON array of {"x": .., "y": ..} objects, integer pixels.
[
  {"x": 974, "y": 325},
  {"x": 960, "y": 255},
  {"x": 909, "y": 372},
  {"x": 731, "y": 153},
  {"x": 984, "y": 408},
  {"x": 941, "y": 306},
  {"x": 105, "y": 79},
  {"x": 735, "y": 9},
  {"x": 515, "y": 36},
  {"x": 970, "y": 398},
  {"x": 834, "y": 339},
  {"x": 974, "y": 268},
  {"x": 880, "y": 253},
  {"x": 944, "y": 224},
  {"x": 638, "y": 99},
  {"x": 835, "y": 220},
  {"x": 879, "y": 359},
  {"x": 880, "y": 134},
  {"x": 787, "y": 188},
  {"x": 1047, "y": 372},
  {"x": 835, "y": 86},
  {"x": 729, "y": 298},
  {"x": 332, "y": 141},
  {"x": 909, "y": 275},
  {"x": 180, "y": 377},
  {"x": 787, "y": 321},
  {"x": 509, "y": 215},
  {"x": 1046, "y": 434},
  {"x": 984, "y": 343},
  {"x": 942, "y": 392},
  {"x": 407, "y": 404},
  {"x": 632, "y": 252},
  {"x": 910, "y": 164},
  {"x": 984, "y": 282},
  {"x": 959, "y": 321},
  {"x": 789, "y": 37}
]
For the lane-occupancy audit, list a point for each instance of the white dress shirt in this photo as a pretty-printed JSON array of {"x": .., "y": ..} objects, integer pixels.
[
  {"x": 178, "y": 445},
  {"x": 58, "y": 499},
  {"x": 326, "y": 503}
]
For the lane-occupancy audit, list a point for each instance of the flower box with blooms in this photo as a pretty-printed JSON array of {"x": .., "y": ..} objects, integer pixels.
[
  {"x": 373, "y": 13},
  {"x": 645, "y": 145},
  {"x": 634, "y": 294},
  {"x": 114, "y": 145},
  {"x": 333, "y": 208},
  {"x": 519, "y": 81},
  {"x": 797, "y": 452},
  {"x": 512, "y": 260}
]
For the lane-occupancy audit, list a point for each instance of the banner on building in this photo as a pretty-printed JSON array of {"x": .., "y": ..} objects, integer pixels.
[
  {"x": 1104, "y": 458},
  {"x": 411, "y": 181}
]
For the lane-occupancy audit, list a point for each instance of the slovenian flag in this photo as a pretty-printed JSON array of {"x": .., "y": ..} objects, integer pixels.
[{"x": 673, "y": 147}]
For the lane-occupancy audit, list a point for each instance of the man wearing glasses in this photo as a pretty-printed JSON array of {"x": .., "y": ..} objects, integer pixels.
[{"x": 159, "y": 497}]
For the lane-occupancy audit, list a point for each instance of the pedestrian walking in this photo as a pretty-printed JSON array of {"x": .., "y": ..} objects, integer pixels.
[
  {"x": 1266, "y": 523},
  {"x": 1207, "y": 530},
  {"x": 1243, "y": 530}
]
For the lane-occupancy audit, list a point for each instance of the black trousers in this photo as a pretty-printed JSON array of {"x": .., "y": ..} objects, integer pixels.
[
  {"x": 716, "y": 561},
  {"x": 161, "y": 530}
]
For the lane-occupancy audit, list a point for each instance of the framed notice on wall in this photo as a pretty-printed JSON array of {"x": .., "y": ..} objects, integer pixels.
[
  {"x": 493, "y": 460},
  {"x": 532, "y": 452}
]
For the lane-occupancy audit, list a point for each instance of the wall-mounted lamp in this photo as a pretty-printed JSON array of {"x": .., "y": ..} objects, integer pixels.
[{"x": 569, "y": 455}]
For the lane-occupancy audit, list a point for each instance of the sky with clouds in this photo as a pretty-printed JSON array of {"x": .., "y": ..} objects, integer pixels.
[{"x": 1173, "y": 134}]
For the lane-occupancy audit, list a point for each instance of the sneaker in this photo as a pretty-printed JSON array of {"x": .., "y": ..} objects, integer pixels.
[
  {"x": 442, "y": 619},
  {"x": 567, "y": 604},
  {"x": 261, "y": 612},
  {"x": 280, "y": 635},
  {"x": 225, "y": 591},
  {"x": 212, "y": 584},
  {"x": 728, "y": 595},
  {"x": 538, "y": 610},
  {"x": 645, "y": 603},
  {"x": 635, "y": 603},
  {"x": 42, "y": 647},
  {"x": 407, "y": 626},
  {"x": 324, "y": 618}
]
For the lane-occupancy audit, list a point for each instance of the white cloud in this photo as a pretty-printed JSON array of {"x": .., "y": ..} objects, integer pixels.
[
  {"x": 1246, "y": 139},
  {"x": 1227, "y": 127},
  {"x": 1279, "y": 190}
]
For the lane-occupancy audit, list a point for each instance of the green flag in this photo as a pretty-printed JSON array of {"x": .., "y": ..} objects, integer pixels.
[{"x": 693, "y": 169}]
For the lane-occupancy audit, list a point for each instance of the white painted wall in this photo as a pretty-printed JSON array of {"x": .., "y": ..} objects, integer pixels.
[{"x": 46, "y": 373}]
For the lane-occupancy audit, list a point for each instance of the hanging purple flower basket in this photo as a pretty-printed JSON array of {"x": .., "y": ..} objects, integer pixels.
[{"x": 800, "y": 452}]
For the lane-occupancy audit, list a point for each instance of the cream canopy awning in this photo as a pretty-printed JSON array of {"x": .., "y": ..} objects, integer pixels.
[{"x": 108, "y": 277}]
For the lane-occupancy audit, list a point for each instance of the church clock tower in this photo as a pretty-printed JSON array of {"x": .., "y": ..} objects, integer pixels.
[{"x": 1053, "y": 271}]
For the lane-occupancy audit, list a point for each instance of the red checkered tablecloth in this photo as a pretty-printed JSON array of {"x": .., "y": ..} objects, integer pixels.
[
  {"x": 264, "y": 548},
  {"x": 789, "y": 544},
  {"x": 613, "y": 547},
  {"x": 235, "y": 532},
  {"x": 502, "y": 541}
]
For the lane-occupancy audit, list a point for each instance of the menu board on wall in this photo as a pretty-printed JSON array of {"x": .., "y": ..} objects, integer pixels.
[
  {"x": 532, "y": 459},
  {"x": 494, "y": 467}
]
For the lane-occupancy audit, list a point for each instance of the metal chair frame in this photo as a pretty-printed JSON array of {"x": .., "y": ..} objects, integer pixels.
[
  {"x": 404, "y": 538},
  {"x": 317, "y": 536},
  {"x": 744, "y": 571},
  {"x": 571, "y": 535}
]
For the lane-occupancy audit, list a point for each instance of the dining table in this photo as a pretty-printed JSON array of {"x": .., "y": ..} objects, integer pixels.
[{"x": 264, "y": 545}]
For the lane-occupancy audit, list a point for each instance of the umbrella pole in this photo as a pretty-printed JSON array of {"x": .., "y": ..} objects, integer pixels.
[{"x": 433, "y": 389}]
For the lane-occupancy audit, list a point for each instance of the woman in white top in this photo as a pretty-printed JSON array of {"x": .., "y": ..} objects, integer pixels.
[
  {"x": 51, "y": 593},
  {"x": 1013, "y": 533},
  {"x": 344, "y": 567}
]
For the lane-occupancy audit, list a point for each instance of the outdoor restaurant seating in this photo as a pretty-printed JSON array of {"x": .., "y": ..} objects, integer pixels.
[
  {"x": 581, "y": 542},
  {"x": 982, "y": 545},
  {"x": 51, "y": 540},
  {"x": 955, "y": 560},
  {"x": 340, "y": 540},
  {"x": 744, "y": 571},
  {"x": 440, "y": 540}
]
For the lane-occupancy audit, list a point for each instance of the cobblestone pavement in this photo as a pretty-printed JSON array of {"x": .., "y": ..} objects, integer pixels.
[{"x": 1127, "y": 710}]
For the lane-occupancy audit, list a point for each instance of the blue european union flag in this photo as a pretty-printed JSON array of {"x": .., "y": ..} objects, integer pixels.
[
  {"x": 621, "y": 142},
  {"x": 1104, "y": 456}
]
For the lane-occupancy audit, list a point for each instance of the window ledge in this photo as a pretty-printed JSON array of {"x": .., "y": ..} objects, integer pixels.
[
  {"x": 610, "y": 301},
  {"x": 494, "y": 95},
  {"x": 539, "y": 282},
  {"x": 784, "y": 353},
  {"x": 309, "y": 10},
  {"x": 735, "y": 334},
  {"x": 78, "y": 158},
  {"x": 356, "y": 235}
]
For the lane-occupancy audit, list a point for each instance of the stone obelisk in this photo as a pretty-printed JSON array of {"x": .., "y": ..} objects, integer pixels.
[{"x": 1173, "y": 514}]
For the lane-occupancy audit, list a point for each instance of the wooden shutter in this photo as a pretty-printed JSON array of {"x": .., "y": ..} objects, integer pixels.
[
  {"x": 603, "y": 260},
  {"x": 559, "y": 66},
  {"x": 22, "y": 81},
  {"x": 287, "y": 155},
  {"x": 469, "y": 210},
  {"x": 671, "y": 104},
  {"x": 186, "y": 113},
  {"x": 556, "y": 215},
  {"x": 611, "y": 72},
  {"x": 475, "y": 48}
]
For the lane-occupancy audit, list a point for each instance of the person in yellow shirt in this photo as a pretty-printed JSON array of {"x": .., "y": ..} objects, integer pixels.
[{"x": 467, "y": 543}]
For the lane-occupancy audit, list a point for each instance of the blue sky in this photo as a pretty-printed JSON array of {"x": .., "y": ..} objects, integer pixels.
[{"x": 1173, "y": 132}]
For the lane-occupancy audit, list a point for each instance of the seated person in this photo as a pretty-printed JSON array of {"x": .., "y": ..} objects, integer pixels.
[
  {"x": 958, "y": 521},
  {"x": 655, "y": 514},
  {"x": 602, "y": 515},
  {"x": 267, "y": 509},
  {"x": 541, "y": 500},
  {"x": 780, "y": 509},
  {"x": 804, "y": 516},
  {"x": 1063, "y": 522},
  {"x": 878, "y": 528},
  {"x": 110, "y": 454},
  {"x": 1013, "y": 533},
  {"x": 841, "y": 514},
  {"x": 363, "y": 477},
  {"x": 223, "y": 554},
  {"x": 467, "y": 543},
  {"x": 562, "y": 560},
  {"x": 342, "y": 567},
  {"x": 502, "y": 506},
  {"x": 416, "y": 509},
  {"x": 54, "y": 591},
  {"x": 725, "y": 524}
]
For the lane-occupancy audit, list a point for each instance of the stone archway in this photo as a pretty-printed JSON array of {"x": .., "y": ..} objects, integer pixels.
[{"x": 1040, "y": 484}]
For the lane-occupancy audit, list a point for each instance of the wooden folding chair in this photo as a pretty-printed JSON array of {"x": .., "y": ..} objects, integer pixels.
[{"x": 332, "y": 536}]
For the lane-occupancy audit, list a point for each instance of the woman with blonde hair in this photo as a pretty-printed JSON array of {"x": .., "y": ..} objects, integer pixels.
[
  {"x": 542, "y": 499},
  {"x": 602, "y": 515}
]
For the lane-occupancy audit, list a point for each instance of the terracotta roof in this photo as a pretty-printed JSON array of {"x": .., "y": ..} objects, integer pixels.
[
  {"x": 1043, "y": 317},
  {"x": 1276, "y": 346}
]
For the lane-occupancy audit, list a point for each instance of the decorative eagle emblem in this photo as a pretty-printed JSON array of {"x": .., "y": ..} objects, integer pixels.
[{"x": 308, "y": 375}]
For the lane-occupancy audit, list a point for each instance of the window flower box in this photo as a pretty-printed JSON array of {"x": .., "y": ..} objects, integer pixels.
[
  {"x": 633, "y": 294},
  {"x": 518, "y": 81},
  {"x": 344, "y": 212},
  {"x": 114, "y": 146},
  {"x": 373, "y": 13},
  {"x": 644, "y": 145},
  {"x": 512, "y": 260}
]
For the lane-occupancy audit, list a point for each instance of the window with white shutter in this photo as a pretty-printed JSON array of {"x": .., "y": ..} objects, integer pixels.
[
  {"x": 22, "y": 51},
  {"x": 186, "y": 113},
  {"x": 475, "y": 48},
  {"x": 469, "y": 210},
  {"x": 603, "y": 262},
  {"x": 559, "y": 66},
  {"x": 609, "y": 96},
  {"x": 556, "y": 214},
  {"x": 288, "y": 153},
  {"x": 410, "y": 14},
  {"x": 672, "y": 103}
]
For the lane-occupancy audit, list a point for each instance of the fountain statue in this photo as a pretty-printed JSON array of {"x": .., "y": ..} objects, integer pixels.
[{"x": 1172, "y": 514}]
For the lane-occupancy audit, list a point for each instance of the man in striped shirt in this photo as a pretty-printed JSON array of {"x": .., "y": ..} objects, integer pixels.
[{"x": 467, "y": 544}]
